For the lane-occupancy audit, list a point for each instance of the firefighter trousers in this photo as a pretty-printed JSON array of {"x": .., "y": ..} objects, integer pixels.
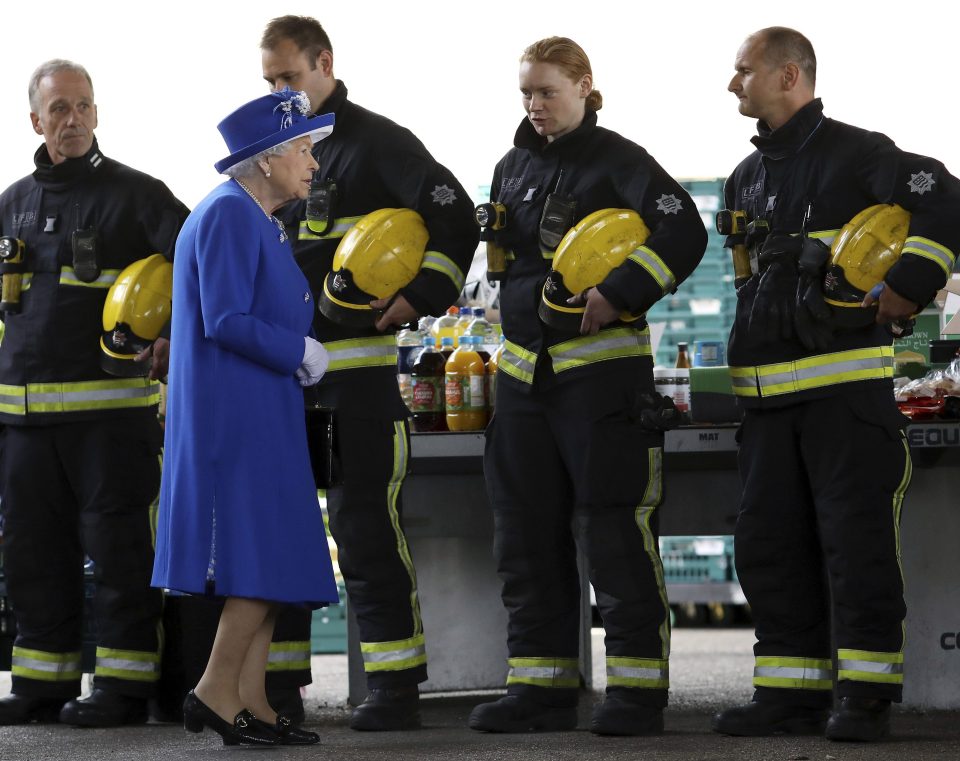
[
  {"x": 572, "y": 466},
  {"x": 365, "y": 521},
  {"x": 68, "y": 491},
  {"x": 818, "y": 540}
]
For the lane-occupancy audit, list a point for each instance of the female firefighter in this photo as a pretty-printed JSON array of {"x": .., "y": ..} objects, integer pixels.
[{"x": 595, "y": 232}]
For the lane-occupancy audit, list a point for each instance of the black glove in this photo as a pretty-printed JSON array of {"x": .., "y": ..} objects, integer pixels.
[
  {"x": 771, "y": 318},
  {"x": 812, "y": 317}
]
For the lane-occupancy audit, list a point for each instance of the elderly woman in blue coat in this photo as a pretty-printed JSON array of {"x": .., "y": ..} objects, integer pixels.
[{"x": 239, "y": 517}]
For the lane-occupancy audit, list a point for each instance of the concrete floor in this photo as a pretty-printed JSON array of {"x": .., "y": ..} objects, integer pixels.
[{"x": 710, "y": 669}]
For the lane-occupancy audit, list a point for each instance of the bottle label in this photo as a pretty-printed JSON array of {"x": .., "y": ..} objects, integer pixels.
[
  {"x": 427, "y": 394},
  {"x": 405, "y": 381},
  {"x": 457, "y": 393},
  {"x": 478, "y": 385}
]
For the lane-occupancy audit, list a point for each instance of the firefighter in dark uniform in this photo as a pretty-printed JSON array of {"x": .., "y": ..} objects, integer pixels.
[
  {"x": 823, "y": 458},
  {"x": 80, "y": 468},
  {"x": 573, "y": 455},
  {"x": 371, "y": 163}
]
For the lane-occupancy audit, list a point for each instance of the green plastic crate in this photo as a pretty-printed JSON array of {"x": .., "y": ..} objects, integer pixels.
[
  {"x": 697, "y": 559},
  {"x": 328, "y": 630}
]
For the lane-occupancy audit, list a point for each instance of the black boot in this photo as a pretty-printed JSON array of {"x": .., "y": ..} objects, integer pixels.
[
  {"x": 765, "y": 719},
  {"x": 515, "y": 713},
  {"x": 859, "y": 720},
  {"x": 618, "y": 715},
  {"x": 388, "y": 710},
  {"x": 104, "y": 709},
  {"x": 287, "y": 700},
  {"x": 22, "y": 709}
]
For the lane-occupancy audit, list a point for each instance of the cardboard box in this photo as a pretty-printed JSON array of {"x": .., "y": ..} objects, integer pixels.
[{"x": 711, "y": 396}]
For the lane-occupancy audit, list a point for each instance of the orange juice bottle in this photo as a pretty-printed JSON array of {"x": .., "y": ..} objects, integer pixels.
[{"x": 465, "y": 390}]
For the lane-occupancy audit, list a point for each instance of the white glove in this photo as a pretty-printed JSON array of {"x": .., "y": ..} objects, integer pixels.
[{"x": 314, "y": 364}]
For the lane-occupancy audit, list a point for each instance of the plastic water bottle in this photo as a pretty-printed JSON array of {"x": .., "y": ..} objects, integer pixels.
[
  {"x": 409, "y": 343},
  {"x": 480, "y": 327}
]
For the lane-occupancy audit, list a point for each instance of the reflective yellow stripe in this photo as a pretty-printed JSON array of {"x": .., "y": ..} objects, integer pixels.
[
  {"x": 638, "y": 672},
  {"x": 868, "y": 666},
  {"x": 518, "y": 362},
  {"x": 376, "y": 351},
  {"x": 793, "y": 673},
  {"x": 434, "y": 260},
  {"x": 401, "y": 458},
  {"x": 107, "y": 278},
  {"x": 133, "y": 665},
  {"x": 643, "y": 516},
  {"x": 930, "y": 249},
  {"x": 78, "y": 396},
  {"x": 561, "y": 673},
  {"x": 824, "y": 236},
  {"x": 614, "y": 343},
  {"x": 44, "y": 666},
  {"x": 293, "y": 655},
  {"x": 394, "y": 656},
  {"x": 339, "y": 228},
  {"x": 655, "y": 267},
  {"x": 872, "y": 363}
]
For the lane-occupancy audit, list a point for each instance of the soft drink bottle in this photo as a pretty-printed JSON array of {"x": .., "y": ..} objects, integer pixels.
[
  {"x": 427, "y": 382},
  {"x": 466, "y": 390},
  {"x": 409, "y": 343},
  {"x": 446, "y": 327}
]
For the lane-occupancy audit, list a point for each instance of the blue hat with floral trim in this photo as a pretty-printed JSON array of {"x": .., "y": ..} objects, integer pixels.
[{"x": 268, "y": 121}]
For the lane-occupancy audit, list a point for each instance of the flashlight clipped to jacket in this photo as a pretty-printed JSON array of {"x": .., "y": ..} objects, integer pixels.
[{"x": 11, "y": 268}]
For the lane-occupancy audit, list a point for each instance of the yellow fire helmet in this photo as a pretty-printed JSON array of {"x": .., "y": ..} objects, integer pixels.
[
  {"x": 862, "y": 253},
  {"x": 379, "y": 255},
  {"x": 588, "y": 252},
  {"x": 137, "y": 308}
]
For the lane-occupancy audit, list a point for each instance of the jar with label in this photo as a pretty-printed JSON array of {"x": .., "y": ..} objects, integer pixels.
[{"x": 708, "y": 354}]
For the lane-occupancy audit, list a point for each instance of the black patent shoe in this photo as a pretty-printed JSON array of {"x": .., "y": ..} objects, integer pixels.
[
  {"x": 388, "y": 710},
  {"x": 23, "y": 709},
  {"x": 859, "y": 720},
  {"x": 767, "y": 719},
  {"x": 290, "y": 734},
  {"x": 245, "y": 730},
  {"x": 104, "y": 708}
]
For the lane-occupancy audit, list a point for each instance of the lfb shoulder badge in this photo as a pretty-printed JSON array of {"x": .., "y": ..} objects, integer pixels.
[
  {"x": 443, "y": 195},
  {"x": 669, "y": 204},
  {"x": 921, "y": 182}
]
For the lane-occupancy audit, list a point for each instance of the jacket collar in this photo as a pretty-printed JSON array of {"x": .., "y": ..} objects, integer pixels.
[
  {"x": 335, "y": 101},
  {"x": 66, "y": 172},
  {"x": 792, "y": 136},
  {"x": 527, "y": 137}
]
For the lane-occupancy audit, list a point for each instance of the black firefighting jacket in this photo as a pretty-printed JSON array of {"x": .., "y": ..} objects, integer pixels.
[
  {"x": 835, "y": 171},
  {"x": 50, "y": 353},
  {"x": 376, "y": 164},
  {"x": 597, "y": 169}
]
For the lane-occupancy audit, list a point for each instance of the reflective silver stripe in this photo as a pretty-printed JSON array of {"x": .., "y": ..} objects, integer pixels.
[
  {"x": 932, "y": 250},
  {"x": 655, "y": 266},
  {"x": 813, "y": 372},
  {"x": 107, "y": 278},
  {"x": 125, "y": 664},
  {"x": 787, "y": 672},
  {"x": 50, "y": 667},
  {"x": 394, "y": 655},
  {"x": 434, "y": 260},
  {"x": 872, "y": 667},
  {"x": 46, "y": 397},
  {"x": 544, "y": 672},
  {"x": 518, "y": 362},
  {"x": 300, "y": 654},
  {"x": 628, "y": 672},
  {"x": 361, "y": 352},
  {"x": 607, "y": 344}
]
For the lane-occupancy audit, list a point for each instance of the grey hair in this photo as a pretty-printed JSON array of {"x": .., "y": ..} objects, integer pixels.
[
  {"x": 47, "y": 69},
  {"x": 248, "y": 166}
]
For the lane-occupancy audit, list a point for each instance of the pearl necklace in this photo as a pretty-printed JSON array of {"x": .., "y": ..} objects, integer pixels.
[{"x": 277, "y": 222}]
